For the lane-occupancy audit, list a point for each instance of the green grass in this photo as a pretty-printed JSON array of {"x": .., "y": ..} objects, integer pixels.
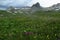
[{"x": 38, "y": 26}]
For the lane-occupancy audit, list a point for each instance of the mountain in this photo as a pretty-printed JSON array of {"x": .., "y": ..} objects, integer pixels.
[
  {"x": 4, "y": 7},
  {"x": 56, "y": 6},
  {"x": 36, "y": 7},
  {"x": 53, "y": 7}
]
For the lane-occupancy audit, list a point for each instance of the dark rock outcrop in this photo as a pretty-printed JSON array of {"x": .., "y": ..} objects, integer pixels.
[{"x": 37, "y": 5}]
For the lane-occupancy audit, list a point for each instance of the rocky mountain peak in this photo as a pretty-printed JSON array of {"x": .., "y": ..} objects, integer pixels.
[{"x": 37, "y": 5}]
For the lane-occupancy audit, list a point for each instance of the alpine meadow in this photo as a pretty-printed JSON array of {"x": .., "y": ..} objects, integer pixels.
[{"x": 30, "y": 23}]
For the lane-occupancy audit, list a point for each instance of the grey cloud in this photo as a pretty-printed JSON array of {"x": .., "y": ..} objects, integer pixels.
[{"x": 14, "y": 2}]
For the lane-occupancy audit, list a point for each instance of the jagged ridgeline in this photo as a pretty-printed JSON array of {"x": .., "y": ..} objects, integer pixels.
[{"x": 33, "y": 8}]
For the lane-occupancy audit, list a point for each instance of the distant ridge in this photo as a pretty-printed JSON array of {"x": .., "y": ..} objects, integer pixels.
[{"x": 56, "y": 6}]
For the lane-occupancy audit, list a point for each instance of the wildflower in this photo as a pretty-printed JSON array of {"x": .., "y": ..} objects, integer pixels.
[
  {"x": 28, "y": 33},
  {"x": 24, "y": 30},
  {"x": 48, "y": 36},
  {"x": 55, "y": 34},
  {"x": 35, "y": 36}
]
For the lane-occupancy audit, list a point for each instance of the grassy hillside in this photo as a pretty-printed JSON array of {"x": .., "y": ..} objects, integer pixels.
[{"x": 36, "y": 26}]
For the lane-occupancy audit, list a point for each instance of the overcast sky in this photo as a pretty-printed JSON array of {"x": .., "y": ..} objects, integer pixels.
[{"x": 44, "y": 3}]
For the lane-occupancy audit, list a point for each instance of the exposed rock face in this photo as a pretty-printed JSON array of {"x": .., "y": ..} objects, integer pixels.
[
  {"x": 56, "y": 6},
  {"x": 37, "y": 5}
]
